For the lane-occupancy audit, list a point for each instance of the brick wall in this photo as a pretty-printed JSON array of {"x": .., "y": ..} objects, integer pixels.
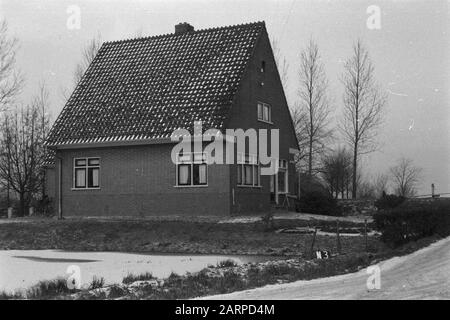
[
  {"x": 140, "y": 181},
  {"x": 244, "y": 115}
]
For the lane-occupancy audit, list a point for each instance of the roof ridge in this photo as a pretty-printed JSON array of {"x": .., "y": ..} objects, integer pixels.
[{"x": 193, "y": 32}]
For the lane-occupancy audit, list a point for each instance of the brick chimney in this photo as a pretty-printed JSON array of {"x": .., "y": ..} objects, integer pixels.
[{"x": 183, "y": 28}]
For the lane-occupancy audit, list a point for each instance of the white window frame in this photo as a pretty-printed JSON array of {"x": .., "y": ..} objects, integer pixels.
[
  {"x": 191, "y": 159},
  {"x": 248, "y": 160},
  {"x": 86, "y": 175},
  {"x": 262, "y": 117}
]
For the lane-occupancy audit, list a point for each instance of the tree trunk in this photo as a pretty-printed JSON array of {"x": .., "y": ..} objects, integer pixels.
[
  {"x": 310, "y": 158},
  {"x": 355, "y": 163},
  {"x": 22, "y": 204}
]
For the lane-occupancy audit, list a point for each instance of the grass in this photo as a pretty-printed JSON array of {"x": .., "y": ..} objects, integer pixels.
[
  {"x": 116, "y": 292},
  {"x": 229, "y": 278},
  {"x": 130, "y": 278},
  {"x": 48, "y": 289},
  {"x": 203, "y": 284},
  {"x": 97, "y": 283},
  {"x": 185, "y": 237},
  {"x": 173, "y": 237}
]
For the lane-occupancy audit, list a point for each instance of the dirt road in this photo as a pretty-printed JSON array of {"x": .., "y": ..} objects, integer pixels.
[{"x": 424, "y": 274}]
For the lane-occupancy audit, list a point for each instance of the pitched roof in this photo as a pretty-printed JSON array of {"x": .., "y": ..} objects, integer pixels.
[{"x": 147, "y": 87}]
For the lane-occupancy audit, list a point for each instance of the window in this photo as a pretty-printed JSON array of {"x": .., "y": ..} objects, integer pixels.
[
  {"x": 86, "y": 173},
  {"x": 192, "y": 169},
  {"x": 283, "y": 176},
  {"x": 264, "y": 112},
  {"x": 263, "y": 66},
  {"x": 248, "y": 171}
]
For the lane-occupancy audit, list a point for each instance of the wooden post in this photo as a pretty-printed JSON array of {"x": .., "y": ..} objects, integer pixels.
[
  {"x": 312, "y": 244},
  {"x": 365, "y": 233},
  {"x": 338, "y": 238}
]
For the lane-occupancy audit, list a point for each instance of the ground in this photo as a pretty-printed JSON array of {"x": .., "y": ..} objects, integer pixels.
[
  {"x": 423, "y": 274},
  {"x": 177, "y": 235},
  {"x": 289, "y": 237},
  {"x": 20, "y": 269}
]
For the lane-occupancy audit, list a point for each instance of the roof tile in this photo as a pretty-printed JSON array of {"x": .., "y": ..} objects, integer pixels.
[{"x": 146, "y": 88}]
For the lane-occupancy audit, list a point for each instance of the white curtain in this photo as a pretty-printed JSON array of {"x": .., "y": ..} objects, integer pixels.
[
  {"x": 248, "y": 174},
  {"x": 183, "y": 177},
  {"x": 202, "y": 174},
  {"x": 80, "y": 178}
]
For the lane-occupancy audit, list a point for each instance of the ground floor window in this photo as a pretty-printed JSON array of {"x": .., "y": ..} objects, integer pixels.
[
  {"x": 86, "y": 173},
  {"x": 192, "y": 169},
  {"x": 282, "y": 176},
  {"x": 248, "y": 170}
]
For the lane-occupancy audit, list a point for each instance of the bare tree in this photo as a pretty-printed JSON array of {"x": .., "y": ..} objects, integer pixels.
[
  {"x": 314, "y": 103},
  {"x": 22, "y": 135},
  {"x": 367, "y": 190},
  {"x": 336, "y": 172},
  {"x": 405, "y": 177},
  {"x": 299, "y": 119},
  {"x": 41, "y": 103},
  {"x": 381, "y": 184},
  {"x": 282, "y": 64},
  {"x": 364, "y": 102},
  {"x": 88, "y": 55},
  {"x": 11, "y": 80}
]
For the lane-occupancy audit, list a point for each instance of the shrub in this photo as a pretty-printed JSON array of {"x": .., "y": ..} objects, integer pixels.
[
  {"x": 130, "y": 278},
  {"x": 97, "y": 283},
  {"x": 268, "y": 221},
  {"x": 116, "y": 291},
  {"x": 44, "y": 206},
  {"x": 405, "y": 223},
  {"x": 318, "y": 202},
  {"x": 10, "y": 295},
  {"x": 49, "y": 288},
  {"x": 389, "y": 201},
  {"x": 226, "y": 263}
]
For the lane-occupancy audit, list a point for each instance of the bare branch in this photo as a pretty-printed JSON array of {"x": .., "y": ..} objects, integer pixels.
[
  {"x": 88, "y": 55},
  {"x": 11, "y": 81},
  {"x": 364, "y": 103},
  {"x": 314, "y": 107},
  {"x": 405, "y": 177}
]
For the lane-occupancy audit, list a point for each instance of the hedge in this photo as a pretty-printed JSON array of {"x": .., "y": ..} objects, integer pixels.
[{"x": 411, "y": 222}]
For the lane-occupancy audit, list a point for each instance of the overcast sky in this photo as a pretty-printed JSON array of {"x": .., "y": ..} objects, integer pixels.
[{"x": 410, "y": 53}]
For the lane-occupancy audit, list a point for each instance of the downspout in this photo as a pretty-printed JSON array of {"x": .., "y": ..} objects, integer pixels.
[{"x": 60, "y": 214}]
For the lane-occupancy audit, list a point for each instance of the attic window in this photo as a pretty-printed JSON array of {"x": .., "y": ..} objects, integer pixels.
[
  {"x": 263, "y": 66},
  {"x": 264, "y": 112}
]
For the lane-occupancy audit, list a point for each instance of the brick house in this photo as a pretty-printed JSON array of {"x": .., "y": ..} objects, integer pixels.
[{"x": 111, "y": 142}]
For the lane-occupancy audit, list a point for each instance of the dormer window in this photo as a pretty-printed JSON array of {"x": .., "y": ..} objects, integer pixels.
[
  {"x": 264, "y": 112},
  {"x": 263, "y": 66}
]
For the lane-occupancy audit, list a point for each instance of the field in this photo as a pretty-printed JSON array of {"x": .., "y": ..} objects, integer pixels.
[
  {"x": 195, "y": 236},
  {"x": 179, "y": 236}
]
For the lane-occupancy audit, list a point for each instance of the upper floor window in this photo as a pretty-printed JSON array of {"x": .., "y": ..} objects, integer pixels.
[
  {"x": 192, "y": 169},
  {"x": 86, "y": 173},
  {"x": 264, "y": 112}
]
